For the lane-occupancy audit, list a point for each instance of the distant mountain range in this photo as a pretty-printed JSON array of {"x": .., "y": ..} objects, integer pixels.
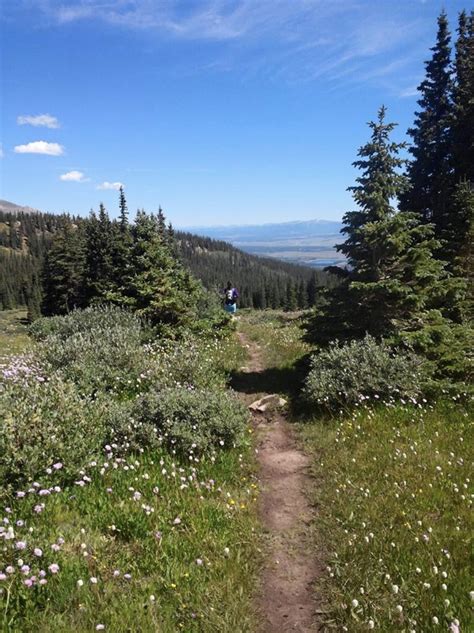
[
  {"x": 309, "y": 242},
  {"x": 11, "y": 207}
]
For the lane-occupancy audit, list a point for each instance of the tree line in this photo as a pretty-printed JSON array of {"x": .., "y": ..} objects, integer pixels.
[
  {"x": 410, "y": 269},
  {"x": 53, "y": 264}
]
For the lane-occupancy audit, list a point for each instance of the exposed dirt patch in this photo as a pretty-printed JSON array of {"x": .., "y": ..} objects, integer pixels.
[{"x": 286, "y": 601}]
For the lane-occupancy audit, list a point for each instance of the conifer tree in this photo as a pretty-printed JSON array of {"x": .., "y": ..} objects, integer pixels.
[
  {"x": 393, "y": 281},
  {"x": 430, "y": 172},
  {"x": 33, "y": 298},
  {"x": 123, "y": 211},
  {"x": 463, "y": 136},
  {"x": 99, "y": 245},
  {"x": 63, "y": 272},
  {"x": 159, "y": 287}
]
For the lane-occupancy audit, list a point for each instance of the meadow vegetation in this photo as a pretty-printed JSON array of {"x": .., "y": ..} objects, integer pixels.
[{"x": 127, "y": 471}]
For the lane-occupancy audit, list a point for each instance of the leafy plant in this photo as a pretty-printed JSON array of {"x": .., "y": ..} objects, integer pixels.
[
  {"x": 344, "y": 375},
  {"x": 194, "y": 421}
]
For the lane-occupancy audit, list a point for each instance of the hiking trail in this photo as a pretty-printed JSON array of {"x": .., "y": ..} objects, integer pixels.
[{"x": 286, "y": 599}]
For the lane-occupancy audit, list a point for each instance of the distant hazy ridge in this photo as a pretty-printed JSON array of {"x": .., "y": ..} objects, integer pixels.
[{"x": 308, "y": 242}]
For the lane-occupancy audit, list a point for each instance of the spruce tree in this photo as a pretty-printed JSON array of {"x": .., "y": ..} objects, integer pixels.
[
  {"x": 159, "y": 288},
  {"x": 463, "y": 134},
  {"x": 63, "y": 272},
  {"x": 99, "y": 268},
  {"x": 430, "y": 172},
  {"x": 123, "y": 211},
  {"x": 393, "y": 281}
]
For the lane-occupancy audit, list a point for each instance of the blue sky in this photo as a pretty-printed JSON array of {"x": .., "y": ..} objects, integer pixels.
[{"x": 222, "y": 111}]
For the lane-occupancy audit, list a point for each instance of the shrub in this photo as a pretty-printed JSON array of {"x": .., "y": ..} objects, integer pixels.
[
  {"x": 344, "y": 375},
  {"x": 43, "y": 423},
  {"x": 97, "y": 318},
  {"x": 194, "y": 420}
]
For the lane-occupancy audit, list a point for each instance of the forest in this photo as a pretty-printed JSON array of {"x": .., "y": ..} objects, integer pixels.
[{"x": 26, "y": 238}]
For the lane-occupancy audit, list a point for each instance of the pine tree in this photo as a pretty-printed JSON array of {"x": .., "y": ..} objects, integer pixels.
[
  {"x": 393, "y": 281},
  {"x": 291, "y": 302},
  {"x": 159, "y": 288},
  {"x": 430, "y": 172},
  {"x": 63, "y": 272},
  {"x": 33, "y": 301},
  {"x": 464, "y": 99},
  {"x": 462, "y": 244},
  {"x": 123, "y": 211},
  {"x": 99, "y": 267}
]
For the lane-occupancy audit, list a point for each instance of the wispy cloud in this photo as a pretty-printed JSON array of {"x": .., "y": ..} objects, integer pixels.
[
  {"x": 40, "y": 147},
  {"x": 294, "y": 40},
  {"x": 38, "y": 120},
  {"x": 410, "y": 91},
  {"x": 73, "y": 176},
  {"x": 110, "y": 185},
  {"x": 2, "y": 153}
]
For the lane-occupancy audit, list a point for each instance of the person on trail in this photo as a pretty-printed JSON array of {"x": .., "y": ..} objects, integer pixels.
[{"x": 230, "y": 299}]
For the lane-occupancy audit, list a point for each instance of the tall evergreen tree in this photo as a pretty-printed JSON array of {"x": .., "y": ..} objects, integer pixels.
[
  {"x": 463, "y": 136},
  {"x": 393, "y": 281},
  {"x": 159, "y": 287},
  {"x": 123, "y": 211},
  {"x": 99, "y": 266},
  {"x": 430, "y": 172},
  {"x": 63, "y": 272}
]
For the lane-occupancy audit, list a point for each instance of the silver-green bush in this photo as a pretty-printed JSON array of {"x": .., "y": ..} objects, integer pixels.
[
  {"x": 193, "y": 420},
  {"x": 344, "y": 375},
  {"x": 44, "y": 423}
]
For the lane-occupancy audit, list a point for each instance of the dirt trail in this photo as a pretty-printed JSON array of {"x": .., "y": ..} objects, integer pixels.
[{"x": 286, "y": 601}]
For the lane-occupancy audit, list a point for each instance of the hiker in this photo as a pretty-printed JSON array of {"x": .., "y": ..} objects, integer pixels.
[{"x": 230, "y": 299}]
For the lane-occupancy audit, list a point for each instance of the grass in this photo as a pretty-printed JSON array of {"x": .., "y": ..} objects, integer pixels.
[
  {"x": 13, "y": 332},
  {"x": 393, "y": 493},
  {"x": 394, "y": 498},
  {"x": 139, "y": 542},
  {"x": 279, "y": 336},
  {"x": 278, "y": 333},
  {"x": 184, "y": 532}
]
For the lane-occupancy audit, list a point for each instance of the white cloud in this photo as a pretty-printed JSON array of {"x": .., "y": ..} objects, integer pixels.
[
  {"x": 2, "y": 153},
  {"x": 110, "y": 185},
  {"x": 40, "y": 147},
  {"x": 73, "y": 176},
  {"x": 297, "y": 40},
  {"x": 38, "y": 120}
]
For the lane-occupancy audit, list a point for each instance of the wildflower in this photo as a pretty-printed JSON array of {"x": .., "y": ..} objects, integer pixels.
[
  {"x": 355, "y": 603},
  {"x": 435, "y": 620},
  {"x": 20, "y": 545},
  {"x": 53, "y": 568},
  {"x": 198, "y": 561},
  {"x": 371, "y": 624},
  {"x": 395, "y": 589},
  {"x": 38, "y": 552},
  {"x": 152, "y": 598},
  {"x": 177, "y": 521},
  {"x": 80, "y": 582},
  {"x": 100, "y": 627},
  {"x": 93, "y": 580},
  {"x": 399, "y": 608}
]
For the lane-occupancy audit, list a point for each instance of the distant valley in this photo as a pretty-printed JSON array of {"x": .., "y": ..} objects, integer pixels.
[{"x": 307, "y": 242}]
